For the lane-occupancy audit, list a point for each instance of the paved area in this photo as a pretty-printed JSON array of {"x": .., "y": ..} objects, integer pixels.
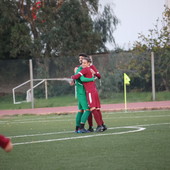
[{"x": 105, "y": 108}]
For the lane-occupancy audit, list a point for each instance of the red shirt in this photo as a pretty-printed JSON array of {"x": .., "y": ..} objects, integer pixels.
[
  {"x": 3, "y": 141},
  {"x": 97, "y": 74},
  {"x": 89, "y": 86}
]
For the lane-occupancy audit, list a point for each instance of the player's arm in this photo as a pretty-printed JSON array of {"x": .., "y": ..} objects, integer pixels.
[
  {"x": 75, "y": 69},
  {"x": 97, "y": 74},
  {"x": 80, "y": 73},
  {"x": 85, "y": 79},
  {"x": 5, "y": 143},
  {"x": 76, "y": 76}
]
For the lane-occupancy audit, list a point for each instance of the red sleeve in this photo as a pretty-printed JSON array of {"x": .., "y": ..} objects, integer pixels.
[
  {"x": 74, "y": 77},
  {"x": 97, "y": 74},
  {"x": 3, "y": 141},
  {"x": 82, "y": 72}
]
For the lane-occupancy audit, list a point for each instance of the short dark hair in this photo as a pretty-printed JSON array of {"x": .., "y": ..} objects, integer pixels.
[
  {"x": 83, "y": 54},
  {"x": 87, "y": 59}
]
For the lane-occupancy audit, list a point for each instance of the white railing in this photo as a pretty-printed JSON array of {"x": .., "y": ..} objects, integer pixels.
[
  {"x": 28, "y": 96},
  {"x": 13, "y": 92},
  {"x": 28, "y": 93}
]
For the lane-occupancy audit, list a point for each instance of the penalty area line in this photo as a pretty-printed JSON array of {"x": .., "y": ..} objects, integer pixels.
[
  {"x": 68, "y": 132},
  {"x": 137, "y": 129}
]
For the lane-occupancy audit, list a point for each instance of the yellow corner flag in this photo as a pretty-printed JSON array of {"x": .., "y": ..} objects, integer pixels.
[
  {"x": 126, "y": 79},
  {"x": 126, "y": 82}
]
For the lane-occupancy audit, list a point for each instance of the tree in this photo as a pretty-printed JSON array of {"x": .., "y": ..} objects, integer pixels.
[
  {"x": 105, "y": 24},
  {"x": 65, "y": 27},
  {"x": 46, "y": 28},
  {"x": 14, "y": 42},
  {"x": 157, "y": 41}
]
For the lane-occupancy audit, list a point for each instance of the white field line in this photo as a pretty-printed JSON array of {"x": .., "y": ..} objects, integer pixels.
[
  {"x": 56, "y": 120},
  {"x": 63, "y": 116},
  {"x": 137, "y": 111},
  {"x": 57, "y": 133},
  {"x": 156, "y": 124},
  {"x": 41, "y": 134},
  {"x": 67, "y": 132},
  {"x": 44, "y": 118},
  {"x": 35, "y": 121},
  {"x": 136, "y": 117},
  {"x": 59, "y": 117},
  {"x": 136, "y": 127}
]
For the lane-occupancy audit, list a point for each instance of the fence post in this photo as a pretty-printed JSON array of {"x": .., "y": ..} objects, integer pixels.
[
  {"x": 31, "y": 83},
  {"x": 46, "y": 90},
  {"x": 153, "y": 76}
]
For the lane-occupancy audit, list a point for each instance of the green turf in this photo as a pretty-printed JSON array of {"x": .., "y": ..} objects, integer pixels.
[{"x": 144, "y": 150}]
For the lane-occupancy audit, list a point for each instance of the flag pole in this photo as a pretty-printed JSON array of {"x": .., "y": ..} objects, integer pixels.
[
  {"x": 126, "y": 82},
  {"x": 125, "y": 94}
]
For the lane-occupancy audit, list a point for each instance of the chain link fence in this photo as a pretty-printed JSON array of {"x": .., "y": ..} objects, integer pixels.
[{"x": 111, "y": 67}]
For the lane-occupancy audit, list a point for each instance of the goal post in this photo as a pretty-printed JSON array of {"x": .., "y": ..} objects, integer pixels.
[{"x": 28, "y": 92}]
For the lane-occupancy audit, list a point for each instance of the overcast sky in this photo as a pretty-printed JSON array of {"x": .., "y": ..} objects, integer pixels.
[{"x": 136, "y": 16}]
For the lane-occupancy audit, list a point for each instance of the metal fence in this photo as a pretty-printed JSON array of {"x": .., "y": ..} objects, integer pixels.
[{"x": 47, "y": 74}]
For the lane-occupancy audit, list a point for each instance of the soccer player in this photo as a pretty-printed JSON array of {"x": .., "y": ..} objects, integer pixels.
[
  {"x": 5, "y": 143},
  {"x": 84, "y": 111},
  {"x": 90, "y": 118},
  {"x": 91, "y": 93},
  {"x": 83, "y": 107},
  {"x": 96, "y": 74}
]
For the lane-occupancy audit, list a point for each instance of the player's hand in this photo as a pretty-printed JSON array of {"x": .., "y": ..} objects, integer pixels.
[
  {"x": 93, "y": 72},
  {"x": 72, "y": 83},
  {"x": 9, "y": 147},
  {"x": 75, "y": 69}
]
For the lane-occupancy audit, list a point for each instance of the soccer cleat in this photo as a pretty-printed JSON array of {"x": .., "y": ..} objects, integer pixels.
[
  {"x": 90, "y": 130},
  {"x": 104, "y": 127},
  {"x": 82, "y": 131},
  {"x": 77, "y": 128},
  {"x": 99, "y": 129},
  {"x": 76, "y": 131}
]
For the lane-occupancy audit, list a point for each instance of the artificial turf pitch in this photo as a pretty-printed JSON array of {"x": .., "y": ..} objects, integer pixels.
[{"x": 134, "y": 141}]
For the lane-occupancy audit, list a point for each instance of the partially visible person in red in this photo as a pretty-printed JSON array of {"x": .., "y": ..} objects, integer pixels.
[{"x": 5, "y": 143}]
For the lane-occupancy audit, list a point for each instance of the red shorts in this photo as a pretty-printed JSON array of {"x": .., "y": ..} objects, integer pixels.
[{"x": 93, "y": 99}]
